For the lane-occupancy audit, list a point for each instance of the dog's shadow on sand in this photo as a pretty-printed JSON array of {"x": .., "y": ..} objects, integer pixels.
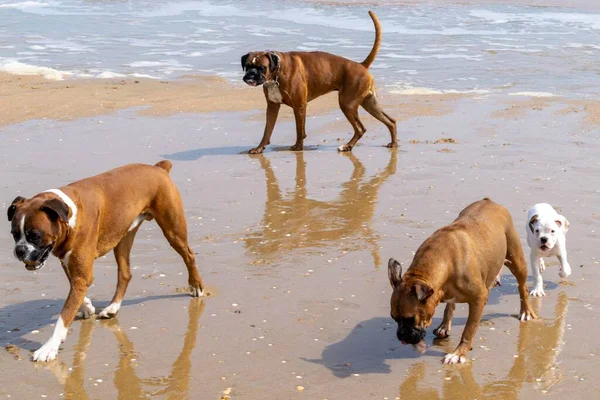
[
  {"x": 21, "y": 319},
  {"x": 195, "y": 154},
  {"x": 373, "y": 342}
]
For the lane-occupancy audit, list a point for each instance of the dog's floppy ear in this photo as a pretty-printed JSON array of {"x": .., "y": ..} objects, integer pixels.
[
  {"x": 563, "y": 223},
  {"x": 422, "y": 290},
  {"x": 394, "y": 272},
  {"x": 273, "y": 61},
  {"x": 13, "y": 207},
  {"x": 532, "y": 221},
  {"x": 244, "y": 59},
  {"x": 56, "y": 208}
]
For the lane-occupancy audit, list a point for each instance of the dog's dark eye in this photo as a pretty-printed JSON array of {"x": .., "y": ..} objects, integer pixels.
[
  {"x": 15, "y": 235},
  {"x": 263, "y": 68},
  {"x": 537, "y": 231},
  {"x": 32, "y": 236}
]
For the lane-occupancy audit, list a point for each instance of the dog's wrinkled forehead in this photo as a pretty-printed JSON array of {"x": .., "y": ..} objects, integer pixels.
[{"x": 258, "y": 59}]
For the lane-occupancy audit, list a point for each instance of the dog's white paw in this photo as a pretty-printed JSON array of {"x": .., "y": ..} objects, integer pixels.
[
  {"x": 110, "y": 311},
  {"x": 565, "y": 271},
  {"x": 87, "y": 309},
  {"x": 525, "y": 316},
  {"x": 538, "y": 291},
  {"x": 196, "y": 292},
  {"x": 453, "y": 358},
  {"x": 47, "y": 352},
  {"x": 542, "y": 265}
]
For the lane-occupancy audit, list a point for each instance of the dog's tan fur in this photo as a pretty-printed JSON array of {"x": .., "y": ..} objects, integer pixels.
[
  {"x": 459, "y": 263},
  {"x": 107, "y": 204},
  {"x": 304, "y": 76}
]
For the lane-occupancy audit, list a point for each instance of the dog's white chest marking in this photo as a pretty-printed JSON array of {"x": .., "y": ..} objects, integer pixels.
[{"x": 273, "y": 92}]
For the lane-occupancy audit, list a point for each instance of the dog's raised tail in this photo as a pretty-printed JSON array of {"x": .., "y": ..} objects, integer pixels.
[
  {"x": 371, "y": 57},
  {"x": 164, "y": 164}
]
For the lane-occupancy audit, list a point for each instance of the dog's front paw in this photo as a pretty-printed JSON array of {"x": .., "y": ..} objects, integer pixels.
[
  {"x": 565, "y": 271},
  {"x": 538, "y": 291},
  {"x": 87, "y": 309},
  {"x": 110, "y": 311},
  {"x": 256, "y": 150},
  {"x": 527, "y": 315},
  {"x": 196, "y": 291},
  {"x": 297, "y": 147},
  {"x": 47, "y": 352},
  {"x": 391, "y": 145},
  {"x": 442, "y": 332},
  {"x": 457, "y": 357},
  {"x": 345, "y": 147}
]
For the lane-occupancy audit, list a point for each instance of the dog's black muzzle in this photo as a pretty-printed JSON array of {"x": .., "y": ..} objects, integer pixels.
[
  {"x": 410, "y": 335},
  {"x": 34, "y": 259},
  {"x": 254, "y": 77}
]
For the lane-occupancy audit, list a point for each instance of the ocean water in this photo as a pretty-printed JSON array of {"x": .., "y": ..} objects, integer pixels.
[{"x": 426, "y": 49}]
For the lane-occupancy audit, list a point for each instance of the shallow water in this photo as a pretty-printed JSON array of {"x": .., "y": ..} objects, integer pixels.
[{"x": 425, "y": 48}]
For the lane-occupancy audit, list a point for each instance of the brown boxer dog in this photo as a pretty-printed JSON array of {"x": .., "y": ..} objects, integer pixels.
[
  {"x": 459, "y": 263},
  {"x": 297, "y": 77},
  {"x": 85, "y": 220}
]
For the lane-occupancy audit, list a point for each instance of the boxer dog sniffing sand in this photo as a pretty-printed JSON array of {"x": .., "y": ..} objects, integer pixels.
[
  {"x": 85, "y": 220},
  {"x": 546, "y": 235},
  {"x": 297, "y": 77},
  {"x": 458, "y": 263}
]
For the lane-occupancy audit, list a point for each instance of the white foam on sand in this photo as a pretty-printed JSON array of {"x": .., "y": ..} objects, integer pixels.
[
  {"x": 24, "y": 4},
  {"x": 533, "y": 94},
  {"x": 422, "y": 91},
  {"x": 18, "y": 68}
]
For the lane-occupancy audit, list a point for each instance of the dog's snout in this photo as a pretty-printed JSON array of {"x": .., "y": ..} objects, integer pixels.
[
  {"x": 20, "y": 252},
  {"x": 543, "y": 239}
]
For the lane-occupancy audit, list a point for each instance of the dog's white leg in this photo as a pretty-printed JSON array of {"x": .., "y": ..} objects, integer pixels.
[
  {"x": 87, "y": 309},
  {"x": 542, "y": 265},
  {"x": 538, "y": 283},
  {"x": 565, "y": 268},
  {"x": 50, "y": 349},
  {"x": 110, "y": 311}
]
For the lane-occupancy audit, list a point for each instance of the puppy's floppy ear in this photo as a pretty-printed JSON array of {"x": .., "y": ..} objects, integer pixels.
[
  {"x": 244, "y": 59},
  {"x": 273, "y": 61},
  {"x": 394, "y": 272},
  {"x": 532, "y": 221},
  {"x": 563, "y": 223},
  {"x": 13, "y": 207},
  {"x": 56, "y": 208},
  {"x": 422, "y": 290}
]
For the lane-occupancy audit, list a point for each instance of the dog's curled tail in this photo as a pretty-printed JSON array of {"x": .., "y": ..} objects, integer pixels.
[
  {"x": 164, "y": 164},
  {"x": 371, "y": 57}
]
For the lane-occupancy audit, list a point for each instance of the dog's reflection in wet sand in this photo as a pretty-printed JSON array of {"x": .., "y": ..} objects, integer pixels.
[
  {"x": 344, "y": 222},
  {"x": 538, "y": 346},
  {"x": 126, "y": 381}
]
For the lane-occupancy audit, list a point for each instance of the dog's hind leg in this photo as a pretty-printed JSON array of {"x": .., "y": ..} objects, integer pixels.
[
  {"x": 349, "y": 106},
  {"x": 518, "y": 267},
  {"x": 372, "y": 106},
  {"x": 300, "y": 117},
  {"x": 443, "y": 331},
  {"x": 122, "y": 252},
  {"x": 168, "y": 213}
]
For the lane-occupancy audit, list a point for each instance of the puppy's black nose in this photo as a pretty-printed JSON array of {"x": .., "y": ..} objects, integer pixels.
[
  {"x": 543, "y": 239},
  {"x": 20, "y": 252}
]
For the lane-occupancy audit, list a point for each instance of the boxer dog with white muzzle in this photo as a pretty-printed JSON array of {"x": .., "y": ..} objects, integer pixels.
[{"x": 85, "y": 220}]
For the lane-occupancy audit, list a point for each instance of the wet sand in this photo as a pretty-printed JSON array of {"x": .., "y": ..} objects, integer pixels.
[{"x": 293, "y": 248}]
